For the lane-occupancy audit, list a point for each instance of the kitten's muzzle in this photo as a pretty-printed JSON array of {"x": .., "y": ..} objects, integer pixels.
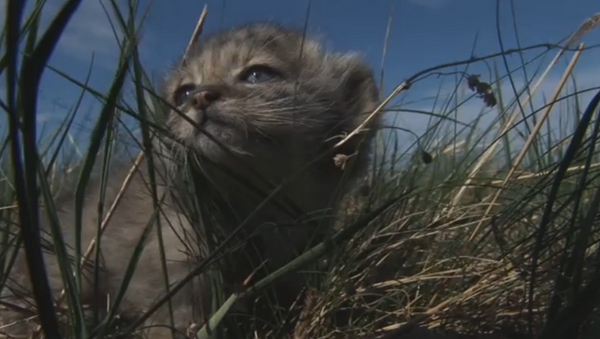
[
  {"x": 204, "y": 96},
  {"x": 200, "y": 99}
]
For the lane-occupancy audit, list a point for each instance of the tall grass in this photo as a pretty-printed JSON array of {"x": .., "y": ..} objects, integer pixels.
[{"x": 475, "y": 227}]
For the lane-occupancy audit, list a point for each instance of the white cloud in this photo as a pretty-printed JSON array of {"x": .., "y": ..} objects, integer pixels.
[
  {"x": 89, "y": 31},
  {"x": 42, "y": 117}
]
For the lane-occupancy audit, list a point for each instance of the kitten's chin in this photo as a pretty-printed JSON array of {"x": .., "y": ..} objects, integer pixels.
[
  {"x": 221, "y": 146},
  {"x": 217, "y": 136}
]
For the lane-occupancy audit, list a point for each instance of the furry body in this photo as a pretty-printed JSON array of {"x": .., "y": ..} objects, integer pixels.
[{"x": 272, "y": 102}]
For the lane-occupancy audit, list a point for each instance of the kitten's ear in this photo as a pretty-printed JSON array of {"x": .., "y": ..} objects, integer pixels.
[
  {"x": 360, "y": 98},
  {"x": 360, "y": 92}
]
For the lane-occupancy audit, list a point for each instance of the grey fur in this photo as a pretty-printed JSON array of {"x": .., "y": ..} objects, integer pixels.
[{"x": 274, "y": 128}]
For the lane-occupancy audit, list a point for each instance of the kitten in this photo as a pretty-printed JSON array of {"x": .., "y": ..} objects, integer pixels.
[{"x": 253, "y": 106}]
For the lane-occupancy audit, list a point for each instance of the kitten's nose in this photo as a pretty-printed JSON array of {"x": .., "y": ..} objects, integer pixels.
[{"x": 203, "y": 97}]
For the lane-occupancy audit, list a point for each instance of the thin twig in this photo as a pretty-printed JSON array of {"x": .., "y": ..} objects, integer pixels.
[
  {"x": 197, "y": 32},
  {"x": 406, "y": 84}
]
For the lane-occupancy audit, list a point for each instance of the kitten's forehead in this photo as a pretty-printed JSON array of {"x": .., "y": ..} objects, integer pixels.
[{"x": 225, "y": 54}]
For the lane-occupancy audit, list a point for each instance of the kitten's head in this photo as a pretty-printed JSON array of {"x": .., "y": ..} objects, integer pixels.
[{"x": 269, "y": 94}]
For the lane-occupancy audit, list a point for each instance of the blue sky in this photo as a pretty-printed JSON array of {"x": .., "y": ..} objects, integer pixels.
[{"x": 424, "y": 33}]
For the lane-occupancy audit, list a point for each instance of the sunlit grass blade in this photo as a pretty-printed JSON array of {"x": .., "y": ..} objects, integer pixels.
[
  {"x": 106, "y": 115},
  {"x": 139, "y": 79},
  {"x": 64, "y": 262}
]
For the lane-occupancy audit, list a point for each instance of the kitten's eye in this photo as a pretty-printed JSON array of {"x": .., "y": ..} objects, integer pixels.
[
  {"x": 182, "y": 93},
  {"x": 259, "y": 73}
]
